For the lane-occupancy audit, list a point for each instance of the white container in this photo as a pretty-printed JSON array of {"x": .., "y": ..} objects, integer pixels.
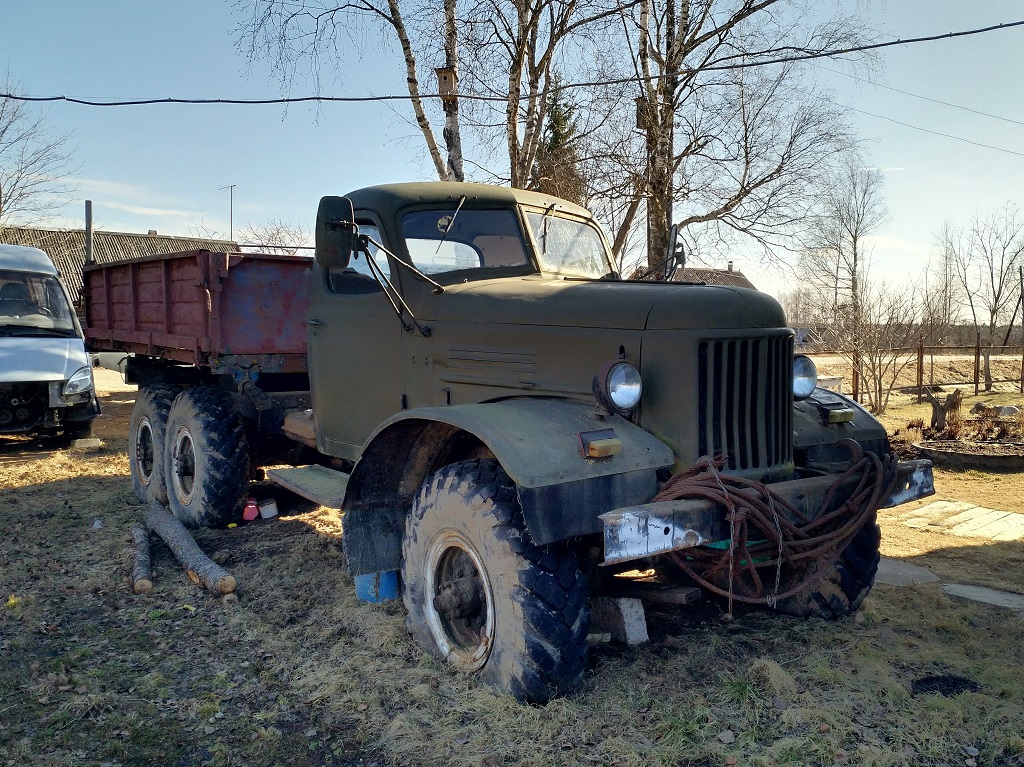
[{"x": 268, "y": 508}]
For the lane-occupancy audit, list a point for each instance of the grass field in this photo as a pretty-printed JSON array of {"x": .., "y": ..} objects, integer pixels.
[{"x": 300, "y": 673}]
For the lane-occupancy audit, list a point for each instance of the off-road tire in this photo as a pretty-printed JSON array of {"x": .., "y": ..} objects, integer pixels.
[
  {"x": 535, "y": 596},
  {"x": 206, "y": 458},
  {"x": 146, "y": 431},
  {"x": 842, "y": 588}
]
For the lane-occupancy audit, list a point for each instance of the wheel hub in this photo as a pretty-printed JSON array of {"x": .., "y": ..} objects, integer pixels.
[
  {"x": 144, "y": 450},
  {"x": 184, "y": 462},
  {"x": 460, "y": 610}
]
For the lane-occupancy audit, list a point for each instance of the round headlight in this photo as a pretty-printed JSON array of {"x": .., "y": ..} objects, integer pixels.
[
  {"x": 805, "y": 377},
  {"x": 617, "y": 387}
]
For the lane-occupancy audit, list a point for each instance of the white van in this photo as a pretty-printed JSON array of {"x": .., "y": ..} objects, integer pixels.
[{"x": 46, "y": 385}]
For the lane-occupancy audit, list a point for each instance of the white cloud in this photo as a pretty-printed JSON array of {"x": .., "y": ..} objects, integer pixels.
[
  {"x": 111, "y": 188},
  {"x": 138, "y": 210}
]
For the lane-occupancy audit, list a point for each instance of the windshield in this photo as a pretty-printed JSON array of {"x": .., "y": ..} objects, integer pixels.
[
  {"x": 33, "y": 304},
  {"x": 568, "y": 246},
  {"x": 446, "y": 240}
]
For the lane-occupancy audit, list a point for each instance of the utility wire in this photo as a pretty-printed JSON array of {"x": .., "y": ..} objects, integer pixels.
[
  {"x": 919, "y": 96},
  {"x": 620, "y": 81},
  {"x": 934, "y": 132}
]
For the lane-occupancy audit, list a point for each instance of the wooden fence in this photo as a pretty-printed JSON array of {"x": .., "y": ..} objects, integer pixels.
[{"x": 975, "y": 352}]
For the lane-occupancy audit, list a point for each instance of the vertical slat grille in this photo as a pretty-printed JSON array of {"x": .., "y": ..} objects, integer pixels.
[{"x": 745, "y": 401}]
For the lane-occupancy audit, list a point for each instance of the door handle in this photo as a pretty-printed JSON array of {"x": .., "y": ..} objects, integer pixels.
[{"x": 314, "y": 321}]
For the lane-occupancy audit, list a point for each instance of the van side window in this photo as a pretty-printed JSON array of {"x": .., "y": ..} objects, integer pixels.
[{"x": 357, "y": 278}]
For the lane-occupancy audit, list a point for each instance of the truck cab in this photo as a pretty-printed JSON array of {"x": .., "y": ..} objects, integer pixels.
[{"x": 46, "y": 383}]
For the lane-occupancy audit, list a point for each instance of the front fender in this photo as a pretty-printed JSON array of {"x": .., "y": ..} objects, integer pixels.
[
  {"x": 537, "y": 440},
  {"x": 538, "y": 443}
]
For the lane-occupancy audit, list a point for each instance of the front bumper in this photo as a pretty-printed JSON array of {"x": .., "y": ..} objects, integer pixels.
[
  {"x": 635, "y": 532},
  {"x": 42, "y": 407}
]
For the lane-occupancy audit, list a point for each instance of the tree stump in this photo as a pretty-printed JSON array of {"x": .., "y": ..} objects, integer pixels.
[
  {"x": 947, "y": 411},
  {"x": 199, "y": 567}
]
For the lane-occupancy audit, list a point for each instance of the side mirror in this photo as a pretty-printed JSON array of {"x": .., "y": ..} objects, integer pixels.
[{"x": 336, "y": 232}]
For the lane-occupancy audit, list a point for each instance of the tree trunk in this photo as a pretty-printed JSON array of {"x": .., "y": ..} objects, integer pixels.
[
  {"x": 452, "y": 133},
  {"x": 946, "y": 411},
  {"x": 200, "y": 568},
  {"x": 142, "y": 572}
]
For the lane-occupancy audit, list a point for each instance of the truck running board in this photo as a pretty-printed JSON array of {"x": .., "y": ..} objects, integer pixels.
[{"x": 317, "y": 483}]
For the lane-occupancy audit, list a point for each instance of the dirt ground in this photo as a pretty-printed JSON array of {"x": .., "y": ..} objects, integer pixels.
[{"x": 300, "y": 673}]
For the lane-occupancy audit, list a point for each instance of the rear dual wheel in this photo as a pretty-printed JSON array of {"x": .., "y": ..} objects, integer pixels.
[
  {"x": 146, "y": 431},
  {"x": 206, "y": 458}
]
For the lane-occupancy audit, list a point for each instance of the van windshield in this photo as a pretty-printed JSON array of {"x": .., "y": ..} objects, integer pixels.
[{"x": 34, "y": 304}]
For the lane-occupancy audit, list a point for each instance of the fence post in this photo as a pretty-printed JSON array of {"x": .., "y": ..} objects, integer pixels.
[
  {"x": 977, "y": 361},
  {"x": 920, "y": 371},
  {"x": 856, "y": 377}
]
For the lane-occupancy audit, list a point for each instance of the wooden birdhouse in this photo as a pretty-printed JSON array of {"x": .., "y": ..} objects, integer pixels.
[{"x": 447, "y": 82}]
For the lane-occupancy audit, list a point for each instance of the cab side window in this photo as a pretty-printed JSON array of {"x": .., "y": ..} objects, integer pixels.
[{"x": 357, "y": 277}]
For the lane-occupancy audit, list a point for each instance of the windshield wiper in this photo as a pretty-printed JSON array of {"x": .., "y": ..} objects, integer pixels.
[
  {"x": 394, "y": 297},
  {"x": 444, "y": 235},
  {"x": 544, "y": 230}
]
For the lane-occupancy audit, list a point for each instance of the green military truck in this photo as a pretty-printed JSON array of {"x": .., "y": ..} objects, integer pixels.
[{"x": 504, "y": 422}]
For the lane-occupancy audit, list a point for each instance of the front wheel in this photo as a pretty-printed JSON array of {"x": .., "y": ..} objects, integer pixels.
[
  {"x": 206, "y": 458},
  {"x": 845, "y": 584},
  {"x": 482, "y": 596}
]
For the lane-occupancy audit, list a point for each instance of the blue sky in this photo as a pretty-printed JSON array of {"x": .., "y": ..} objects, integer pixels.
[{"x": 162, "y": 167}]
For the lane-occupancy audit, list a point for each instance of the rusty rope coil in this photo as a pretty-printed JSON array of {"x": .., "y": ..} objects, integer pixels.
[{"x": 798, "y": 553}]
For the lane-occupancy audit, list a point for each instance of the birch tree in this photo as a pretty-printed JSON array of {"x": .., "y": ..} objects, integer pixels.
[
  {"x": 34, "y": 162},
  {"x": 731, "y": 151},
  {"x": 503, "y": 52}
]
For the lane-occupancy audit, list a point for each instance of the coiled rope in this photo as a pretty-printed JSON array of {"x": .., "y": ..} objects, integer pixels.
[{"x": 798, "y": 552}]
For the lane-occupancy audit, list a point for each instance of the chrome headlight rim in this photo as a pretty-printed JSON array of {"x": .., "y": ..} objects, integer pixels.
[
  {"x": 618, "y": 387},
  {"x": 79, "y": 383},
  {"x": 805, "y": 377}
]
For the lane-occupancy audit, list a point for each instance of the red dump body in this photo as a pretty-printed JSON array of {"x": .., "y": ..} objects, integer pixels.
[{"x": 224, "y": 311}]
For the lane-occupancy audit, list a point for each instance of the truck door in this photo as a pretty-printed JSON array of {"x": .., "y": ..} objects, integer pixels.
[{"x": 354, "y": 342}]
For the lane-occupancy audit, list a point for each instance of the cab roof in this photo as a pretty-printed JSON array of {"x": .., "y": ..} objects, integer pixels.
[
  {"x": 388, "y": 199},
  {"x": 19, "y": 258}
]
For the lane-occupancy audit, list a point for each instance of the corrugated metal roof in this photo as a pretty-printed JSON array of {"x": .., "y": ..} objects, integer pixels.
[{"x": 66, "y": 248}]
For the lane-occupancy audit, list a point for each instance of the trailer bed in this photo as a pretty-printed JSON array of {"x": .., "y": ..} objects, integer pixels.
[{"x": 228, "y": 312}]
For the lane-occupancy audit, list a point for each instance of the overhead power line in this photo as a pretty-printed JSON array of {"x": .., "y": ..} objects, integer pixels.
[
  {"x": 923, "y": 98},
  {"x": 935, "y": 132},
  {"x": 620, "y": 81}
]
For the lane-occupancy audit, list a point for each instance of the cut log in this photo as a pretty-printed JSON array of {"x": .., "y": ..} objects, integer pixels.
[
  {"x": 142, "y": 572},
  {"x": 200, "y": 568}
]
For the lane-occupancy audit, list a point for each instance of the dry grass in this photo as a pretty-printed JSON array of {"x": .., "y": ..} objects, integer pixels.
[{"x": 301, "y": 673}]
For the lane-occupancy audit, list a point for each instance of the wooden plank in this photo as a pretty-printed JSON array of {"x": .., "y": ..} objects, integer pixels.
[
  {"x": 935, "y": 510},
  {"x": 1012, "y": 529},
  {"x": 963, "y": 517},
  {"x": 317, "y": 483},
  {"x": 662, "y": 593},
  {"x": 1009, "y": 523},
  {"x": 972, "y": 526}
]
